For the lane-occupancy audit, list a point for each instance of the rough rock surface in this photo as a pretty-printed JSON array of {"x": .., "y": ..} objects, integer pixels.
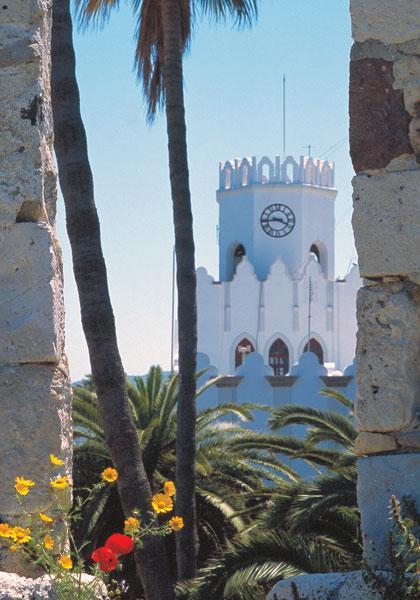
[
  {"x": 409, "y": 439},
  {"x": 379, "y": 122},
  {"x": 13, "y": 587},
  {"x": 34, "y": 383},
  {"x": 390, "y": 21},
  {"x": 386, "y": 222},
  {"x": 373, "y": 443},
  {"x": 25, "y": 113},
  {"x": 328, "y": 586},
  {"x": 407, "y": 77},
  {"x": 379, "y": 477},
  {"x": 35, "y": 422},
  {"x": 388, "y": 357},
  {"x": 31, "y": 295}
]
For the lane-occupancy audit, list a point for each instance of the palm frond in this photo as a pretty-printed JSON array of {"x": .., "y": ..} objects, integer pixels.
[
  {"x": 263, "y": 549},
  {"x": 339, "y": 397},
  {"x": 338, "y": 425},
  {"x": 243, "y": 12},
  {"x": 95, "y": 13}
]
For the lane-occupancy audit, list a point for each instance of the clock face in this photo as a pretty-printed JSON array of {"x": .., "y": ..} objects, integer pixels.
[{"x": 278, "y": 220}]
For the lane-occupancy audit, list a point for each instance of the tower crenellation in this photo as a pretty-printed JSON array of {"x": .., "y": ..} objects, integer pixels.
[{"x": 248, "y": 171}]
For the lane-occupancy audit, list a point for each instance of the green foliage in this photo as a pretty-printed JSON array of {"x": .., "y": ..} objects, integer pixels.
[
  {"x": 401, "y": 582},
  {"x": 301, "y": 526},
  {"x": 258, "y": 520},
  {"x": 234, "y": 464}
]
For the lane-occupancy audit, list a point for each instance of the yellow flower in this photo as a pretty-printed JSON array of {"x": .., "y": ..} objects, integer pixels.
[
  {"x": 5, "y": 530},
  {"x": 48, "y": 542},
  {"x": 162, "y": 503},
  {"x": 65, "y": 561},
  {"x": 131, "y": 525},
  {"x": 20, "y": 535},
  {"x": 21, "y": 489},
  {"x": 176, "y": 523},
  {"x": 22, "y": 485},
  {"x": 27, "y": 482},
  {"x": 169, "y": 488},
  {"x": 60, "y": 483},
  {"x": 110, "y": 475},
  {"x": 56, "y": 461},
  {"x": 45, "y": 518},
  {"x": 13, "y": 548}
]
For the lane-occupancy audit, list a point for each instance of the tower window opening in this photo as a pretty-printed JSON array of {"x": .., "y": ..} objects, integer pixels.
[
  {"x": 244, "y": 175},
  {"x": 242, "y": 350},
  {"x": 238, "y": 255},
  {"x": 314, "y": 346},
  {"x": 278, "y": 358},
  {"x": 228, "y": 179},
  {"x": 289, "y": 173},
  {"x": 265, "y": 174},
  {"x": 314, "y": 250}
]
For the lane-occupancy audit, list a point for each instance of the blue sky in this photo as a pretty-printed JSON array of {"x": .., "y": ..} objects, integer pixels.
[{"x": 233, "y": 92}]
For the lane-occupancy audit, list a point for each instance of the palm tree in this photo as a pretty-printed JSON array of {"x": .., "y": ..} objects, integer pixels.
[
  {"x": 163, "y": 33},
  {"x": 306, "y": 526},
  {"x": 230, "y": 477},
  {"x": 96, "y": 310}
]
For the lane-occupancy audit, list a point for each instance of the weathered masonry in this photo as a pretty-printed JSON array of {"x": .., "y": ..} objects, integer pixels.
[
  {"x": 34, "y": 382},
  {"x": 385, "y": 150}
]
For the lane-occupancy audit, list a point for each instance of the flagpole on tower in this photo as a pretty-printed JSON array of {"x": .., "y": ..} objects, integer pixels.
[{"x": 284, "y": 116}]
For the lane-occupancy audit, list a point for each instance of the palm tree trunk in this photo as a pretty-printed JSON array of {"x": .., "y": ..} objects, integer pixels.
[
  {"x": 97, "y": 316},
  {"x": 186, "y": 284}
]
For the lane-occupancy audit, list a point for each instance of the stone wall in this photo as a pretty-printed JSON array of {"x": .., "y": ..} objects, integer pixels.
[
  {"x": 385, "y": 150},
  {"x": 34, "y": 381}
]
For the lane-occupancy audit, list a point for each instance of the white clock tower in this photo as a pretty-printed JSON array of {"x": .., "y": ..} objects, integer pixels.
[
  {"x": 277, "y": 294},
  {"x": 269, "y": 210}
]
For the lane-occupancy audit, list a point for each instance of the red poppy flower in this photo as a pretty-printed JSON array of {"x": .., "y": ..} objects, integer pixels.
[
  {"x": 119, "y": 543},
  {"x": 106, "y": 558}
]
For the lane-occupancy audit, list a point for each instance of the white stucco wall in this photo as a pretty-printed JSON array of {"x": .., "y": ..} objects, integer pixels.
[{"x": 263, "y": 311}]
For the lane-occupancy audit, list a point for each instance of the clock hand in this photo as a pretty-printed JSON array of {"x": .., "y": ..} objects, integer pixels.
[{"x": 268, "y": 220}]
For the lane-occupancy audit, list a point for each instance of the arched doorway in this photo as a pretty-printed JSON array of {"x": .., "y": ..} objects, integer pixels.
[
  {"x": 238, "y": 255},
  {"x": 278, "y": 358},
  {"x": 242, "y": 350},
  {"x": 315, "y": 347}
]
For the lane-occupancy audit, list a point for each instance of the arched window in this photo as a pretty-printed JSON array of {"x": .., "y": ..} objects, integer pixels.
[
  {"x": 238, "y": 255},
  {"x": 314, "y": 250},
  {"x": 278, "y": 358},
  {"x": 315, "y": 347},
  {"x": 265, "y": 174},
  {"x": 242, "y": 349},
  {"x": 244, "y": 175},
  {"x": 228, "y": 177},
  {"x": 290, "y": 174}
]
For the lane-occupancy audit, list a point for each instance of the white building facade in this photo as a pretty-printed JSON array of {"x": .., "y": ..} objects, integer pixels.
[{"x": 277, "y": 294}]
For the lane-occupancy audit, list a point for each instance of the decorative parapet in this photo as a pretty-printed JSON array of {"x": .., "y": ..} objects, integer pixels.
[{"x": 239, "y": 173}]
